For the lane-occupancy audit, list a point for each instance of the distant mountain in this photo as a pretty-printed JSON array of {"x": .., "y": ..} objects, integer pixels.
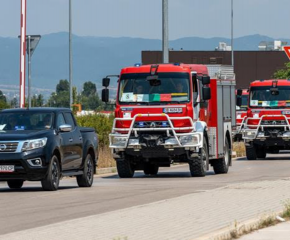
[{"x": 95, "y": 57}]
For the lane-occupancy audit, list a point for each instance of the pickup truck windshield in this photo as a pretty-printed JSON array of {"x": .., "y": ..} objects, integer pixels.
[
  {"x": 26, "y": 121},
  {"x": 172, "y": 87},
  {"x": 262, "y": 97}
]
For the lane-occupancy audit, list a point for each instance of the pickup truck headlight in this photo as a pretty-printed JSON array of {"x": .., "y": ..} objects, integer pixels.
[{"x": 34, "y": 144}]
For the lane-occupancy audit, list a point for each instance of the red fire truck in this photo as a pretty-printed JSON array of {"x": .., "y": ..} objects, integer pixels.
[
  {"x": 172, "y": 113},
  {"x": 266, "y": 128},
  {"x": 241, "y": 114}
]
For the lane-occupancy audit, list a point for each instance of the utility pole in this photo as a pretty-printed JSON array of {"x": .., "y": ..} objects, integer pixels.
[
  {"x": 22, "y": 53},
  {"x": 29, "y": 71},
  {"x": 165, "y": 47},
  {"x": 70, "y": 55},
  {"x": 232, "y": 31}
]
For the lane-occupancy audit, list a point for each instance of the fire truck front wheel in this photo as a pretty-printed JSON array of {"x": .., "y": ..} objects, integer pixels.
[
  {"x": 125, "y": 168},
  {"x": 251, "y": 152},
  {"x": 221, "y": 165},
  {"x": 198, "y": 166}
]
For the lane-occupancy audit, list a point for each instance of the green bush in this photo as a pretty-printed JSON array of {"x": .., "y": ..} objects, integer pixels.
[{"x": 101, "y": 123}]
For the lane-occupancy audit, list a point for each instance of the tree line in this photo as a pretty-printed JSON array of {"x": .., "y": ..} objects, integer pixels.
[{"x": 88, "y": 98}]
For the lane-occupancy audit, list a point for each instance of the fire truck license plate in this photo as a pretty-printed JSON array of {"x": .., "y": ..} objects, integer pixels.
[
  {"x": 172, "y": 110},
  {"x": 7, "y": 168}
]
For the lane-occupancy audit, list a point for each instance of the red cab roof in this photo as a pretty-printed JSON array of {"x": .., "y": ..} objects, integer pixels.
[
  {"x": 200, "y": 69},
  {"x": 259, "y": 83}
]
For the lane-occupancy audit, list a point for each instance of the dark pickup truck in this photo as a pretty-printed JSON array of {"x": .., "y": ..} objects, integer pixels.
[{"x": 45, "y": 144}]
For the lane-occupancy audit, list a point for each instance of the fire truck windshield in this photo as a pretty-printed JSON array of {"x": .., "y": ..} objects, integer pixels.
[
  {"x": 264, "y": 97},
  {"x": 171, "y": 88}
]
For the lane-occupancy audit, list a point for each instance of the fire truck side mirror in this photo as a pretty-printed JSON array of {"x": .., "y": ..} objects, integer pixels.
[
  {"x": 206, "y": 93},
  {"x": 105, "y": 95},
  {"x": 240, "y": 92},
  {"x": 106, "y": 82},
  {"x": 205, "y": 80},
  {"x": 239, "y": 101}
]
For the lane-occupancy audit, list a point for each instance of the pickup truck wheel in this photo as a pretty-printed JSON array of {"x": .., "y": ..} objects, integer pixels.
[
  {"x": 51, "y": 181},
  {"x": 251, "y": 153},
  {"x": 15, "y": 184},
  {"x": 125, "y": 168},
  {"x": 151, "y": 169},
  {"x": 197, "y": 166},
  {"x": 221, "y": 165},
  {"x": 87, "y": 178}
]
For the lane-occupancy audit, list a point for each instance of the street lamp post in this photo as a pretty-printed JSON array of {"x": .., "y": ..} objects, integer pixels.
[
  {"x": 70, "y": 55},
  {"x": 232, "y": 31},
  {"x": 165, "y": 47}
]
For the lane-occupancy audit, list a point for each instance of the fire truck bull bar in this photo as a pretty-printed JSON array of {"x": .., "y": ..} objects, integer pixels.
[
  {"x": 251, "y": 132},
  {"x": 189, "y": 140},
  {"x": 239, "y": 127}
]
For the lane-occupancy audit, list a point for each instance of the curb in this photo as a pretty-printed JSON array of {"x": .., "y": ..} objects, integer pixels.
[{"x": 237, "y": 230}]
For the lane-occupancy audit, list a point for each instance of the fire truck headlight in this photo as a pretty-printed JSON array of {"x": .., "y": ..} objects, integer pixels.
[
  {"x": 250, "y": 133},
  {"x": 189, "y": 140},
  {"x": 256, "y": 115},
  {"x": 119, "y": 141}
]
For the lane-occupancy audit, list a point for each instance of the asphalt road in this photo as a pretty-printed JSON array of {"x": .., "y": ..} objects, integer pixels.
[{"x": 31, "y": 207}]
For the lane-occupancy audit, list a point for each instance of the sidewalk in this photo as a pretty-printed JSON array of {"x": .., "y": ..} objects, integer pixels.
[
  {"x": 278, "y": 232},
  {"x": 186, "y": 218}
]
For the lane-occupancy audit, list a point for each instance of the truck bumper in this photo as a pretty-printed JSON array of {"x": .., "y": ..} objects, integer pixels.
[{"x": 25, "y": 167}]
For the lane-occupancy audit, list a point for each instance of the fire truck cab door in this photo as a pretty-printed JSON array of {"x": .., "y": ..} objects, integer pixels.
[{"x": 196, "y": 96}]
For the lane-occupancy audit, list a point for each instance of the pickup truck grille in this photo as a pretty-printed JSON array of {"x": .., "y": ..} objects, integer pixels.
[{"x": 8, "y": 147}]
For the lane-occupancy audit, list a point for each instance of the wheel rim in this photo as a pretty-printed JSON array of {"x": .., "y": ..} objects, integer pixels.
[
  {"x": 227, "y": 157},
  {"x": 55, "y": 174},
  {"x": 204, "y": 159},
  {"x": 89, "y": 170}
]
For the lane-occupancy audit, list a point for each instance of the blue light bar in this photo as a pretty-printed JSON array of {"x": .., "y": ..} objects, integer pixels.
[
  {"x": 138, "y": 64},
  {"x": 164, "y": 124},
  {"x": 141, "y": 124}
]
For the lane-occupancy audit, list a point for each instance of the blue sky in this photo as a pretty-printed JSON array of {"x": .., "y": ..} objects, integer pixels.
[{"x": 142, "y": 18}]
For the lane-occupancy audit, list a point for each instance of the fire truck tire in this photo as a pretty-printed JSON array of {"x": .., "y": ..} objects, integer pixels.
[
  {"x": 125, "y": 168},
  {"x": 151, "y": 169},
  {"x": 221, "y": 165},
  {"x": 251, "y": 153},
  {"x": 261, "y": 153},
  {"x": 197, "y": 166}
]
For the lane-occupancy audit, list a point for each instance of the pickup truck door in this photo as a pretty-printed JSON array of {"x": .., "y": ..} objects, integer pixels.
[
  {"x": 64, "y": 143},
  {"x": 76, "y": 142}
]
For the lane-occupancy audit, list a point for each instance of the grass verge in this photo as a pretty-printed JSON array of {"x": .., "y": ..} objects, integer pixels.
[
  {"x": 239, "y": 148},
  {"x": 240, "y": 230},
  {"x": 105, "y": 158}
]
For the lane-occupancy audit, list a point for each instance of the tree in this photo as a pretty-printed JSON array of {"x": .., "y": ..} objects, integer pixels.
[
  {"x": 89, "y": 97},
  {"x": 3, "y": 101},
  {"x": 60, "y": 98},
  {"x": 283, "y": 73},
  {"x": 37, "y": 100},
  {"x": 62, "y": 86},
  {"x": 89, "y": 89}
]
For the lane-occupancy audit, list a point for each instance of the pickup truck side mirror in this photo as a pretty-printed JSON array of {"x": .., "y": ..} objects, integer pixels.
[
  {"x": 65, "y": 128},
  {"x": 106, "y": 82},
  {"x": 206, "y": 93},
  {"x": 105, "y": 95}
]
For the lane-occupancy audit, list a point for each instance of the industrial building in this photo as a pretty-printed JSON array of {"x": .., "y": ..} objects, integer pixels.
[{"x": 248, "y": 65}]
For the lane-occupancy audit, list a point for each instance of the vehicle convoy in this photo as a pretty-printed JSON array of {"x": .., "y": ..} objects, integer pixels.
[
  {"x": 266, "y": 128},
  {"x": 45, "y": 144},
  {"x": 241, "y": 114},
  {"x": 172, "y": 113}
]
